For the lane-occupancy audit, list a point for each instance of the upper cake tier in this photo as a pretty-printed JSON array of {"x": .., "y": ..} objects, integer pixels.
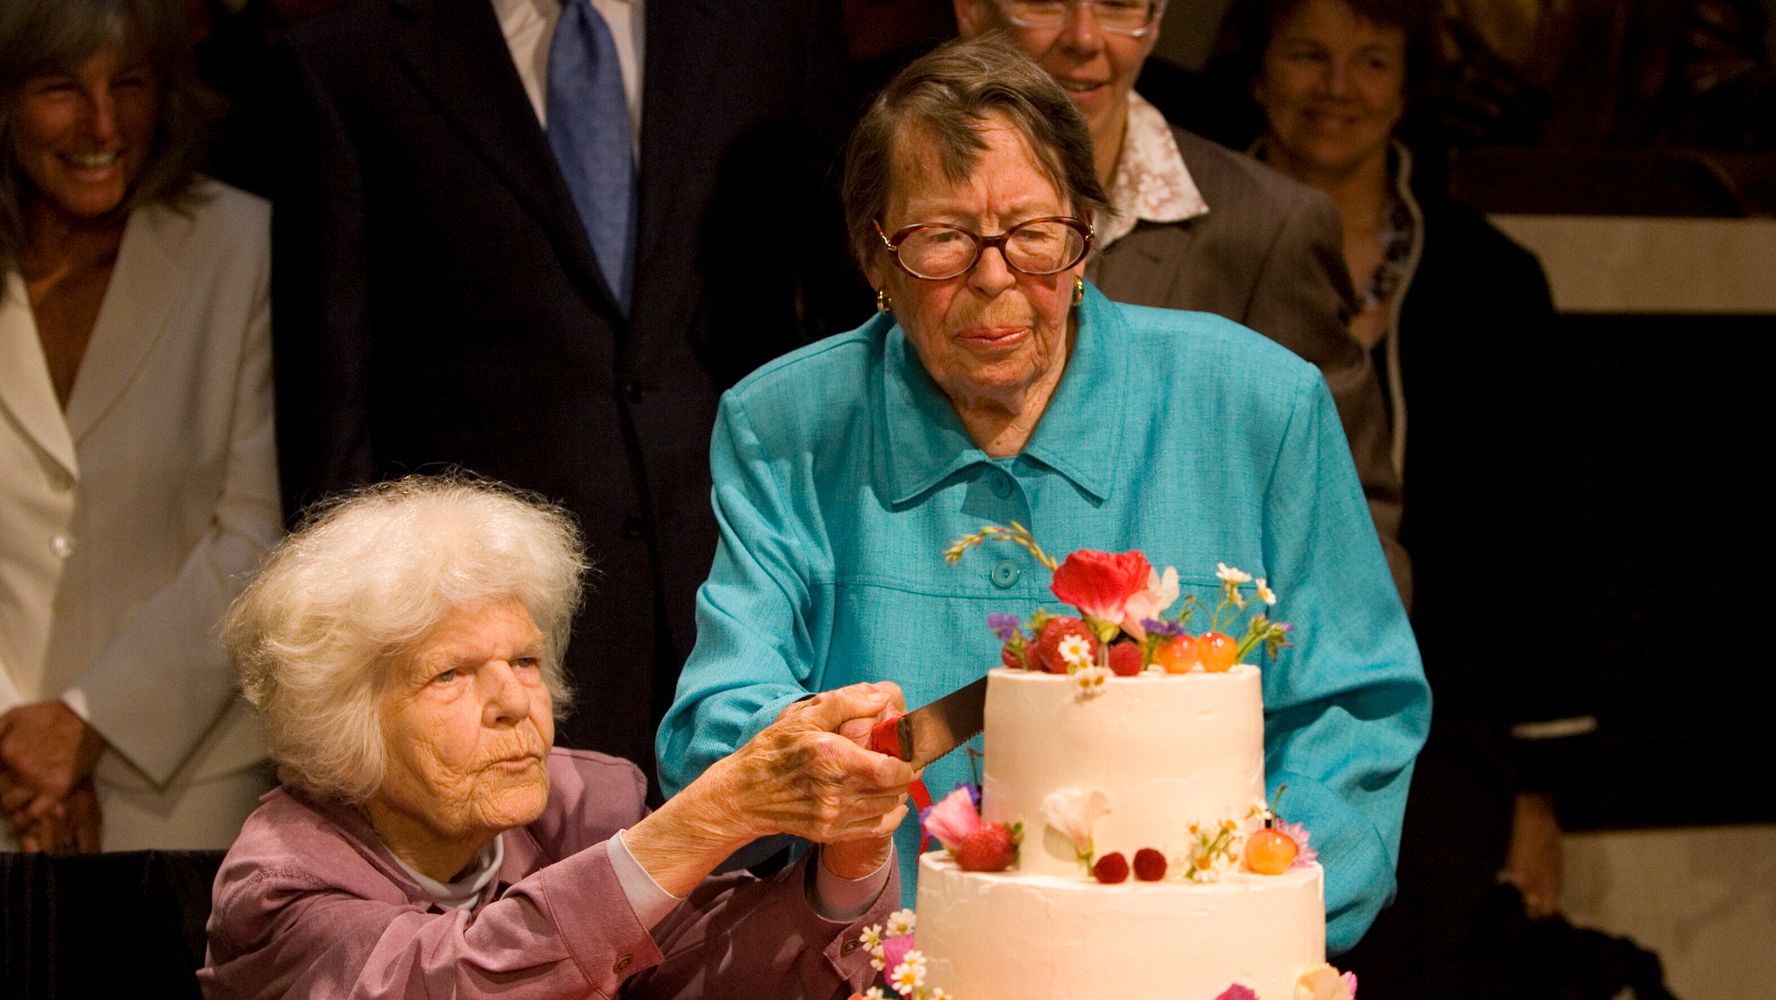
[{"x": 1166, "y": 750}]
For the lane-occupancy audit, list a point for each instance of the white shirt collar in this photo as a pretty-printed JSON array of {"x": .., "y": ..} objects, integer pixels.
[{"x": 1151, "y": 182}]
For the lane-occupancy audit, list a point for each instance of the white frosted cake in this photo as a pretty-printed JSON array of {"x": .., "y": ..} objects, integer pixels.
[{"x": 1179, "y": 762}]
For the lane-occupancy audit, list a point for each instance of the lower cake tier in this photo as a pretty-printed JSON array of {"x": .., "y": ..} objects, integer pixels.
[{"x": 1013, "y": 936}]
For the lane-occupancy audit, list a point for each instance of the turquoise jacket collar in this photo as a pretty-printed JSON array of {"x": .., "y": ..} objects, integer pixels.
[{"x": 1079, "y": 436}]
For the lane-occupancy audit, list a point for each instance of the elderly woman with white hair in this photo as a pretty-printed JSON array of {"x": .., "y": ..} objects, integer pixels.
[{"x": 404, "y": 649}]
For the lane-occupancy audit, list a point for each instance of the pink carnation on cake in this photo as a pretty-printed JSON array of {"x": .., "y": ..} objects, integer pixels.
[
  {"x": 1100, "y": 584},
  {"x": 951, "y": 819},
  {"x": 894, "y": 950},
  {"x": 1304, "y": 855}
]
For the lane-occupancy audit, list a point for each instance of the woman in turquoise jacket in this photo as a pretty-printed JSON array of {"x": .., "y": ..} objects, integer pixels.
[{"x": 995, "y": 386}]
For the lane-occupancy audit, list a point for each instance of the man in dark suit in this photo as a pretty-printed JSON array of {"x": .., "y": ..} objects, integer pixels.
[{"x": 437, "y": 301}]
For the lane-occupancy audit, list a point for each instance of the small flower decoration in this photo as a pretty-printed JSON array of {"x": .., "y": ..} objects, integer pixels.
[
  {"x": 1003, "y": 625},
  {"x": 870, "y": 937},
  {"x": 1074, "y": 811},
  {"x": 875, "y": 993},
  {"x": 1077, "y": 651},
  {"x": 1231, "y": 575},
  {"x": 1091, "y": 679},
  {"x": 1237, "y": 992},
  {"x": 1266, "y": 594},
  {"x": 909, "y": 975},
  {"x": 901, "y": 922}
]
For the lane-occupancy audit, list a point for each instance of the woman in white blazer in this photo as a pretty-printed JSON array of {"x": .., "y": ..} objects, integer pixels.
[{"x": 137, "y": 474}]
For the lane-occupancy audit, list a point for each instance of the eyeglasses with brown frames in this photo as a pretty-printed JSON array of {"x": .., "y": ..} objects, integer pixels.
[{"x": 935, "y": 251}]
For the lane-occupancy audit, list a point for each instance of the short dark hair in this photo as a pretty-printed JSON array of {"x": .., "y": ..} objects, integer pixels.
[
  {"x": 1247, "y": 28},
  {"x": 942, "y": 98},
  {"x": 56, "y": 36}
]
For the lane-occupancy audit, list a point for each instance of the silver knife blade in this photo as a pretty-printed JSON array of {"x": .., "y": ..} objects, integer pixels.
[{"x": 929, "y": 732}]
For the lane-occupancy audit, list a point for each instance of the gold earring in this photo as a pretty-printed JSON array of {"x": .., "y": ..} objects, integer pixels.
[
  {"x": 883, "y": 302},
  {"x": 1078, "y": 290}
]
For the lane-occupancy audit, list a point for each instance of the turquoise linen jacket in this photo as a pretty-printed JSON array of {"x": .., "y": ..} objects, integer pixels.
[{"x": 841, "y": 472}]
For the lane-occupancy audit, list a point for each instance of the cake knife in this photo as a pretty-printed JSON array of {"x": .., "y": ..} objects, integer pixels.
[{"x": 927, "y": 733}]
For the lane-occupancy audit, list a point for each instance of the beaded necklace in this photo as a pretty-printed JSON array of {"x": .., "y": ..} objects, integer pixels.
[{"x": 1396, "y": 242}]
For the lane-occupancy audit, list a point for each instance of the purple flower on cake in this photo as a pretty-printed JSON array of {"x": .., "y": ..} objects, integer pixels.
[
  {"x": 1074, "y": 811},
  {"x": 1162, "y": 628},
  {"x": 1304, "y": 855},
  {"x": 1004, "y": 625},
  {"x": 951, "y": 819},
  {"x": 1237, "y": 992}
]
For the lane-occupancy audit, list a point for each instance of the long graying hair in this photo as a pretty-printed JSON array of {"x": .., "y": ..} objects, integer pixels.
[
  {"x": 365, "y": 580},
  {"x": 939, "y": 102},
  {"x": 56, "y": 36}
]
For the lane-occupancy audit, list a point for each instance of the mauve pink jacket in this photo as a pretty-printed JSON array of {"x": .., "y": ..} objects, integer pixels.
[{"x": 308, "y": 903}]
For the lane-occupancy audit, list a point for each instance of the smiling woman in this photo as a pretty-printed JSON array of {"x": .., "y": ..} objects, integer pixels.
[{"x": 139, "y": 480}]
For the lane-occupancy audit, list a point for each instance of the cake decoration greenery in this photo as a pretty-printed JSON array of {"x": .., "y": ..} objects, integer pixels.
[
  {"x": 1123, "y": 627},
  {"x": 1213, "y": 850}
]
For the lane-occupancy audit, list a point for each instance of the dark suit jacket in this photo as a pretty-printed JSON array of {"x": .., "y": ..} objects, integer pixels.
[
  {"x": 436, "y": 301},
  {"x": 1268, "y": 255}
]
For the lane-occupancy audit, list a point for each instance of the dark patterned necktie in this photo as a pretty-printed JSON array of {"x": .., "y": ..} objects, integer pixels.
[{"x": 588, "y": 127}]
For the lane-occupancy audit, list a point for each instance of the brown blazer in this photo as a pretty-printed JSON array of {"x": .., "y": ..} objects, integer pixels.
[{"x": 1268, "y": 255}]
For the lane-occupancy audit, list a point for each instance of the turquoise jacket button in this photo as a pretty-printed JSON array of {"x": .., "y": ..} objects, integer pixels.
[
  {"x": 1000, "y": 483},
  {"x": 1005, "y": 574}
]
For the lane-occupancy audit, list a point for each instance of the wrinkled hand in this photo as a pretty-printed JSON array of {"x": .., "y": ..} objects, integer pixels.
[
  {"x": 45, "y": 751},
  {"x": 809, "y": 774},
  {"x": 1534, "y": 861}
]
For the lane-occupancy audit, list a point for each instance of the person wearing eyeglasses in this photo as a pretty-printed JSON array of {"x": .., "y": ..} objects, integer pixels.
[
  {"x": 1199, "y": 226},
  {"x": 996, "y": 385}
]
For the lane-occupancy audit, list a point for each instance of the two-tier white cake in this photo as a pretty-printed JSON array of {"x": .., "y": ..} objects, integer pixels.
[{"x": 1179, "y": 760}]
